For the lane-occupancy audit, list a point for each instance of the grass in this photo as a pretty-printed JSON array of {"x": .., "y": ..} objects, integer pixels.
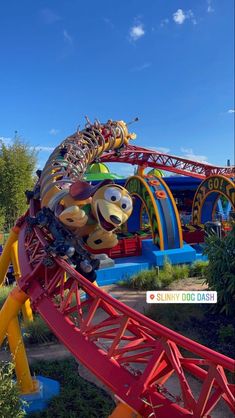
[
  {"x": 198, "y": 322},
  {"x": 37, "y": 332},
  {"x": 171, "y": 273},
  {"x": 154, "y": 279},
  {"x": 78, "y": 398},
  {"x": 198, "y": 269},
  {"x": 144, "y": 280}
]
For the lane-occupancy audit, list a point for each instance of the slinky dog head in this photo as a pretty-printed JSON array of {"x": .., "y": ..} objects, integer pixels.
[{"x": 111, "y": 204}]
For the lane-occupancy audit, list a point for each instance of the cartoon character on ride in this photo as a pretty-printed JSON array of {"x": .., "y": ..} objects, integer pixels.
[{"x": 95, "y": 212}]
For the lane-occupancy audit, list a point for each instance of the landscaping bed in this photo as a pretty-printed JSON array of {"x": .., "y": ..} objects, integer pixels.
[
  {"x": 78, "y": 398},
  {"x": 210, "y": 325},
  {"x": 197, "y": 322}
]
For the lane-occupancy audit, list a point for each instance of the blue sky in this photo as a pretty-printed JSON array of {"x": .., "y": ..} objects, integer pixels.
[{"x": 168, "y": 62}]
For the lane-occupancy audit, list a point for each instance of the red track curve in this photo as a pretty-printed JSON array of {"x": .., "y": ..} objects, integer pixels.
[
  {"x": 131, "y": 354},
  {"x": 179, "y": 165}
]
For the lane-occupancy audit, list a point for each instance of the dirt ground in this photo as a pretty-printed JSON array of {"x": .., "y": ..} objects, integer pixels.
[{"x": 191, "y": 283}]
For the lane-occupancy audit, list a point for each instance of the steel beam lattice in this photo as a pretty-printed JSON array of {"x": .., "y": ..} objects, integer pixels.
[
  {"x": 145, "y": 157},
  {"x": 132, "y": 355}
]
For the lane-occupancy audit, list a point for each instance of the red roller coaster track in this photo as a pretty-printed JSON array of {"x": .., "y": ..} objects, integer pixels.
[
  {"x": 142, "y": 156},
  {"x": 131, "y": 354}
]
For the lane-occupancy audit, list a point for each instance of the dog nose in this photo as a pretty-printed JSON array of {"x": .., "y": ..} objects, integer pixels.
[{"x": 115, "y": 219}]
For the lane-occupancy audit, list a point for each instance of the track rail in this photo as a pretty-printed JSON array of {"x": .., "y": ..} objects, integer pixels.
[
  {"x": 131, "y": 354},
  {"x": 142, "y": 156}
]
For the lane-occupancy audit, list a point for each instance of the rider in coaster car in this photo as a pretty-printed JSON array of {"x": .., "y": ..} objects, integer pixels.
[{"x": 96, "y": 211}]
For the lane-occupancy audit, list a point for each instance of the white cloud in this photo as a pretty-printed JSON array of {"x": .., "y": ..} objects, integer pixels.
[
  {"x": 164, "y": 150},
  {"x": 136, "y": 32},
  {"x": 53, "y": 131},
  {"x": 209, "y": 7},
  {"x": 8, "y": 141},
  {"x": 5, "y": 140},
  {"x": 67, "y": 38},
  {"x": 190, "y": 16},
  {"x": 49, "y": 16},
  {"x": 42, "y": 148},
  {"x": 121, "y": 169},
  {"x": 190, "y": 155},
  {"x": 231, "y": 111},
  {"x": 164, "y": 22},
  {"x": 141, "y": 67},
  {"x": 180, "y": 16}
]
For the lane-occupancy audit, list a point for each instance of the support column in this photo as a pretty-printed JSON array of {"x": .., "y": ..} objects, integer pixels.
[
  {"x": 26, "y": 308},
  {"x": 5, "y": 258},
  {"x": 10, "y": 310},
  {"x": 26, "y": 383},
  {"x": 9, "y": 327}
]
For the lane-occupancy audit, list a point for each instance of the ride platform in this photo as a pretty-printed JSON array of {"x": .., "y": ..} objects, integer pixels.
[{"x": 126, "y": 267}]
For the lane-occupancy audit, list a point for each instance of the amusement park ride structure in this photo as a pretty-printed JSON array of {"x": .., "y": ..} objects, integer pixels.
[
  {"x": 155, "y": 159},
  {"x": 131, "y": 354}
]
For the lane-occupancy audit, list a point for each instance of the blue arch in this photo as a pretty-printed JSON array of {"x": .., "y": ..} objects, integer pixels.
[{"x": 208, "y": 206}]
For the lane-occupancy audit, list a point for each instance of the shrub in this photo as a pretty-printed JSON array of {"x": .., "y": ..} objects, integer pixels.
[
  {"x": 77, "y": 398},
  {"x": 220, "y": 273},
  {"x": 167, "y": 267},
  {"x": 198, "y": 268},
  {"x": 226, "y": 334},
  {"x": 170, "y": 273},
  {"x": 145, "y": 280},
  {"x": 165, "y": 279},
  {"x": 177, "y": 316},
  {"x": 196, "y": 321},
  {"x": 180, "y": 272},
  {"x": 154, "y": 280},
  {"x": 37, "y": 332},
  {"x": 11, "y": 405}
]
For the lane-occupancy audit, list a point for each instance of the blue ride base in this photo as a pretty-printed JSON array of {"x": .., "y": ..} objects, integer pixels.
[
  {"x": 151, "y": 257},
  {"x": 38, "y": 401}
]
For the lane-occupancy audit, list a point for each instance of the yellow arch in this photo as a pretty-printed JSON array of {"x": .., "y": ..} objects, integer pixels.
[
  {"x": 156, "y": 226},
  {"x": 142, "y": 181}
]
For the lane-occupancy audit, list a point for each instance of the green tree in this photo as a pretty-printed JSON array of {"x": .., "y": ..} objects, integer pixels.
[
  {"x": 2, "y": 218},
  {"x": 17, "y": 165},
  {"x": 220, "y": 273}
]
